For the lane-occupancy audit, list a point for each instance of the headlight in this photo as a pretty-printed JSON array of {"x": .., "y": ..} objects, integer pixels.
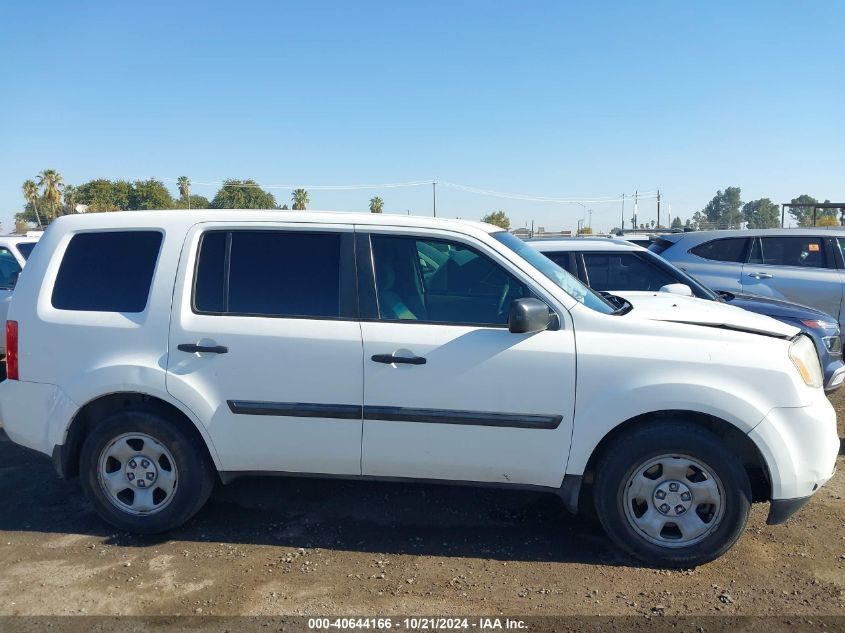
[{"x": 803, "y": 354}]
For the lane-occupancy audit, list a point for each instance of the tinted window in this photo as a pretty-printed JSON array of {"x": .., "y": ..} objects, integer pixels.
[
  {"x": 441, "y": 282},
  {"x": 806, "y": 252},
  {"x": 9, "y": 269},
  {"x": 563, "y": 260},
  {"x": 272, "y": 273},
  {"x": 107, "y": 271},
  {"x": 624, "y": 271},
  {"x": 209, "y": 293},
  {"x": 25, "y": 248},
  {"x": 728, "y": 249}
]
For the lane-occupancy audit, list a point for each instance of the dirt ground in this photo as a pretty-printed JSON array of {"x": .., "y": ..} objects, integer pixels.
[{"x": 315, "y": 547}]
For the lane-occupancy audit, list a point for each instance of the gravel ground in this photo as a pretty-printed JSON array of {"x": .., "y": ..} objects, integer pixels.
[{"x": 317, "y": 547}]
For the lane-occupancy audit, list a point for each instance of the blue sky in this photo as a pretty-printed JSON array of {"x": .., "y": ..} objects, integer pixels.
[{"x": 547, "y": 98}]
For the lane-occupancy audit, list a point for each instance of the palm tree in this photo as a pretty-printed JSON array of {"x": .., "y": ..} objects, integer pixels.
[
  {"x": 300, "y": 200},
  {"x": 51, "y": 183},
  {"x": 376, "y": 205},
  {"x": 30, "y": 193},
  {"x": 70, "y": 197},
  {"x": 185, "y": 189}
]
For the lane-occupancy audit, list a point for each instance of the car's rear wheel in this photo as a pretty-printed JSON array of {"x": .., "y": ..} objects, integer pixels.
[
  {"x": 672, "y": 494},
  {"x": 144, "y": 473}
]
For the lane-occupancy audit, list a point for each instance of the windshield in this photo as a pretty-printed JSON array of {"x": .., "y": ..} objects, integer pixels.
[{"x": 558, "y": 275}]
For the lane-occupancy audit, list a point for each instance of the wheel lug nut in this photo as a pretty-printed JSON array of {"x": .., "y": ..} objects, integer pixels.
[
  {"x": 660, "y": 494},
  {"x": 680, "y": 509},
  {"x": 132, "y": 463},
  {"x": 130, "y": 476},
  {"x": 673, "y": 487},
  {"x": 664, "y": 508},
  {"x": 145, "y": 463},
  {"x": 685, "y": 496}
]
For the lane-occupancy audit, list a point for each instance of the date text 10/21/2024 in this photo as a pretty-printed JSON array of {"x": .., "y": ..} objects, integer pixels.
[{"x": 417, "y": 623}]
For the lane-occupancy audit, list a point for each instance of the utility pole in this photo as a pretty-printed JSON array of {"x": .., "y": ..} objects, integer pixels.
[
  {"x": 658, "y": 207},
  {"x": 434, "y": 197},
  {"x": 622, "y": 226},
  {"x": 591, "y": 219},
  {"x": 636, "y": 202}
]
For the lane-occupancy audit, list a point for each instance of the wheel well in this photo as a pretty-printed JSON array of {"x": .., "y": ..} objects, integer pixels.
[
  {"x": 734, "y": 439},
  {"x": 90, "y": 414}
]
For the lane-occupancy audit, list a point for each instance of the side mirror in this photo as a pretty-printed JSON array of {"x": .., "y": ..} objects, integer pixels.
[
  {"x": 678, "y": 289},
  {"x": 528, "y": 315}
]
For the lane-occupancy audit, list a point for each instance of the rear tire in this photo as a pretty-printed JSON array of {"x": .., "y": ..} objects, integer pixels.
[
  {"x": 672, "y": 495},
  {"x": 143, "y": 473}
]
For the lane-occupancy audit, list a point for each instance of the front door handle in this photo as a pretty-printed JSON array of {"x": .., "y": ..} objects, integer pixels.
[
  {"x": 192, "y": 348},
  {"x": 760, "y": 275},
  {"x": 389, "y": 359}
]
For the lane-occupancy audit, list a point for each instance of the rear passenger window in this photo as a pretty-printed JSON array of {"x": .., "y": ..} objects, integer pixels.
[
  {"x": 624, "y": 271},
  {"x": 108, "y": 271},
  {"x": 804, "y": 252},
  {"x": 269, "y": 273},
  {"x": 9, "y": 269},
  {"x": 728, "y": 249}
]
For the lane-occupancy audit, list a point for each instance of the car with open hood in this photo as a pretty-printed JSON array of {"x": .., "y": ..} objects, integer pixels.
[{"x": 154, "y": 354}]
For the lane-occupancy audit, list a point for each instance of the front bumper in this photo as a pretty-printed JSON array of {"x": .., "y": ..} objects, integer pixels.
[{"x": 799, "y": 446}]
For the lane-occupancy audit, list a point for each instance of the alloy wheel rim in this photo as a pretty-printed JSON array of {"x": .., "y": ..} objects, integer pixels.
[
  {"x": 674, "y": 500},
  {"x": 137, "y": 474}
]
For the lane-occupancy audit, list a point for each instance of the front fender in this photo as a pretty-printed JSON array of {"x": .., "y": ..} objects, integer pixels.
[{"x": 599, "y": 416}]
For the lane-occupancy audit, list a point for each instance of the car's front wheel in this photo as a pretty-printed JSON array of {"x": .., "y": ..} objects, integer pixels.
[
  {"x": 144, "y": 473},
  {"x": 672, "y": 494}
]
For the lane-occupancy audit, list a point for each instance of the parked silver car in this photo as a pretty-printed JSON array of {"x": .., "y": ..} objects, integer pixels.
[{"x": 801, "y": 265}]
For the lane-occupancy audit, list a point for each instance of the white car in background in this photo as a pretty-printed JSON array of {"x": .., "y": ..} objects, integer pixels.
[
  {"x": 14, "y": 251},
  {"x": 156, "y": 353}
]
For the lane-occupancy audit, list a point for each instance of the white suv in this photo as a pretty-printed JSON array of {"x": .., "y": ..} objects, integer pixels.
[{"x": 153, "y": 353}]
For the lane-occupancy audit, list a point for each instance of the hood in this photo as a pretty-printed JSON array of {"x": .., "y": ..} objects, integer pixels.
[
  {"x": 776, "y": 308},
  {"x": 664, "y": 306}
]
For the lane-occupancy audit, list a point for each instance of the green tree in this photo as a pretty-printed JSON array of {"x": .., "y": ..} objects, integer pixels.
[
  {"x": 300, "y": 200},
  {"x": 284, "y": 207},
  {"x": 761, "y": 214},
  {"x": 184, "y": 184},
  {"x": 104, "y": 195},
  {"x": 194, "y": 201},
  {"x": 149, "y": 194},
  {"x": 676, "y": 223},
  {"x": 804, "y": 214},
  {"x": 586, "y": 230},
  {"x": 498, "y": 218},
  {"x": 242, "y": 194},
  {"x": 70, "y": 199},
  {"x": 376, "y": 205},
  {"x": 724, "y": 211},
  {"x": 51, "y": 183},
  {"x": 827, "y": 220},
  {"x": 30, "y": 194}
]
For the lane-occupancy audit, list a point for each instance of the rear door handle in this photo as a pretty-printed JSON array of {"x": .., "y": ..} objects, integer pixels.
[
  {"x": 193, "y": 348},
  {"x": 389, "y": 359},
  {"x": 760, "y": 275}
]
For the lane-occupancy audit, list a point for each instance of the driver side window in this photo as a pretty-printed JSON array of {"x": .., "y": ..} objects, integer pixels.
[{"x": 441, "y": 282}]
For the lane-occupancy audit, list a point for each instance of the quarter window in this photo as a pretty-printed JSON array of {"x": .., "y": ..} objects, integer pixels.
[
  {"x": 109, "y": 271},
  {"x": 441, "y": 282},
  {"x": 802, "y": 252},
  {"x": 728, "y": 249},
  {"x": 269, "y": 273}
]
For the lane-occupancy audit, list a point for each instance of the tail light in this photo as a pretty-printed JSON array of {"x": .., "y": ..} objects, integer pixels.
[{"x": 11, "y": 350}]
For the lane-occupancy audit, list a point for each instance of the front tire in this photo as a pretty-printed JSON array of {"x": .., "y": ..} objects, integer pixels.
[
  {"x": 143, "y": 473},
  {"x": 672, "y": 494}
]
